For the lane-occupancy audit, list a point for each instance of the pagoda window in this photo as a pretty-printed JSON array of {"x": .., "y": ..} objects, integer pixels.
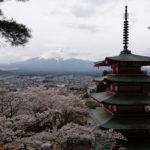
[
  {"x": 117, "y": 69},
  {"x": 115, "y": 108},
  {"x": 129, "y": 64},
  {"x": 116, "y": 88},
  {"x": 111, "y": 87}
]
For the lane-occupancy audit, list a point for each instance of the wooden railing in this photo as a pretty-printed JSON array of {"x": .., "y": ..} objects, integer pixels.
[
  {"x": 128, "y": 72},
  {"x": 125, "y": 91},
  {"x": 111, "y": 91}
]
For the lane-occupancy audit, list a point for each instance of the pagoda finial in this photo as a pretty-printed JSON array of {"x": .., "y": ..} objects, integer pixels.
[{"x": 125, "y": 33}]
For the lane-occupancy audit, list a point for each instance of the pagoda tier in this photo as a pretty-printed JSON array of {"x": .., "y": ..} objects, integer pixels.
[
  {"x": 124, "y": 84},
  {"x": 124, "y": 58},
  {"x": 125, "y": 100},
  {"x": 125, "y": 65},
  {"x": 123, "y": 79},
  {"x": 121, "y": 99},
  {"x": 123, "y": 103},
  {"x": 122, "y": 123}
]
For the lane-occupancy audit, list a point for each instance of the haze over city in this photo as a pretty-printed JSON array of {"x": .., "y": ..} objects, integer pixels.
[{"x": 82, "y": 29}]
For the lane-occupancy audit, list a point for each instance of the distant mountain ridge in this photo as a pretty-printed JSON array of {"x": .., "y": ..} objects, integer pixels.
[
  {"x": 50, "y": 65},
  {"x": 41, "y": 64}
]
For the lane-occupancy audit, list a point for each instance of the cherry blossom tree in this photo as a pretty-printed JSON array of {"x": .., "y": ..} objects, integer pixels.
[
  {"x": 37, "y": 106},
  {"x": 71, "y": 135},
  {"x": 10, "y": 130},
  {"x": 13, "y": 100},
  {"x": 46, "y": 103},
  {"x": 71, "y": 106}
]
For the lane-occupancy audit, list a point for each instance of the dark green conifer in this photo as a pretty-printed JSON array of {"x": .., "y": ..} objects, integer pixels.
[{"x": 14, "y": 33}]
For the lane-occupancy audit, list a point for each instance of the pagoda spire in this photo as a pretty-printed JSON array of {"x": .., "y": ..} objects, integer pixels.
[{"x": 125, "y": 33}]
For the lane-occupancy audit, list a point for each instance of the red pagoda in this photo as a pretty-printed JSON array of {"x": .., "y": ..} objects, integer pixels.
[{"x": 124, "y": 100}]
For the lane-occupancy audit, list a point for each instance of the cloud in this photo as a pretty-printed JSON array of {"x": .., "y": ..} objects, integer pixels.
[
  {"x": 64, "y": 53},
  {"x": 87, "y": 27},
  {"x": 132, "y": 17},
  {"x": 91, "y": 28},
  {"x": 74, "y": 23},
  {"x": 53, "y": 46},
  {"x": 145, "y": 52},
  {"x": 83, "y": 12},
  {"x": 11, "y": 58},
  {"x": 98, "y": 2},
  {"x": 67, "y": 53}
]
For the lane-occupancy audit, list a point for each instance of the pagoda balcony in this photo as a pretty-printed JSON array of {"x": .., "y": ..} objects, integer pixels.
[
  {"x": 109, "y": 109},
  {"x": 125, "y": 91},
  {"x": 129, "y": 72},
  {"x": 111, "y": 91}
]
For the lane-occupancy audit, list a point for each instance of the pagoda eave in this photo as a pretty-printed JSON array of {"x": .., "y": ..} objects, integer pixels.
[
  {"x": 119, "y": 122},
  {"x": 106, "y": 65},
  {"x": 97, "y": 81},
  {"x": 109, "y": 61},
  {"x": 123, "y": 79},
  {"x": 121, "y": 99}
]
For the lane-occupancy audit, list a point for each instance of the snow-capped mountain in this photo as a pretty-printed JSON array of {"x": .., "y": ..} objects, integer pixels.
[
  {"x": 52, "y": 64},
  {"x": 54, "y": 60}
]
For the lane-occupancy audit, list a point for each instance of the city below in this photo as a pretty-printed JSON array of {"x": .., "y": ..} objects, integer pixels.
[{"x": 66, "y": 84}]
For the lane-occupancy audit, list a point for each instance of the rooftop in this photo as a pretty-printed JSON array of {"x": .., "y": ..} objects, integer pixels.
[
  {"x": 122, "y": 99},
  {"x": 119, "y": 122},
  {"x": 126, "y": 57},
  {"x": 123, "y": 78}
]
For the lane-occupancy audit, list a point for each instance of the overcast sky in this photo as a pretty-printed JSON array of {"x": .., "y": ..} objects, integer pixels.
[{"x": 84, "y": 29}]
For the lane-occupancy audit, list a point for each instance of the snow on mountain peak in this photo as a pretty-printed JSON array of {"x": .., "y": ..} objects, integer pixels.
[
  {"x": 55, "y": 54},
  {"x": 66, "y": 53}
]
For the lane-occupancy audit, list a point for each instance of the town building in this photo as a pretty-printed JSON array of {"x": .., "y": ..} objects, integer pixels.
[{"x": 124, "y": 101}]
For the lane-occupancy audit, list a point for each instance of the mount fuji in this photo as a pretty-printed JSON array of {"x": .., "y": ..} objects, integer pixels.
[{"x": 52, "y": 63}]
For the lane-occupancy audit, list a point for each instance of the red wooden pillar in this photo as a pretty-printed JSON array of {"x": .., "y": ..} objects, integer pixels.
[
  {"x": 140, "y": 69},
  {"x": 118, "y": 88},
  {"x": 117, "y": 109},
  {"x": 119, "y": 68}
]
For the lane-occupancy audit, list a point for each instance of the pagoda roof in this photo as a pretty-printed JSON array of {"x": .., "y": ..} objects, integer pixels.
[
  {"x": 119, "y": 122},
  {"x": 125, "y": 57},
  {"x": 100, "y": 116},
  {"x": 123, "y": 78},
  {"x": 122, "y": 99}
]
